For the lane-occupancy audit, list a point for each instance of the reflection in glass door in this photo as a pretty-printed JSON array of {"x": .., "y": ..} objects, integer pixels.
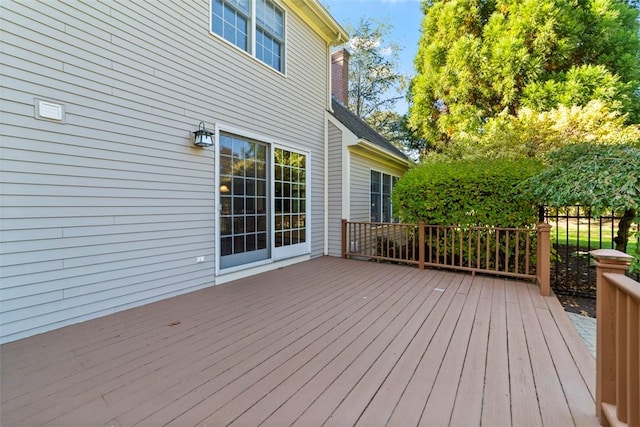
[{"x": 243, "y": 202}]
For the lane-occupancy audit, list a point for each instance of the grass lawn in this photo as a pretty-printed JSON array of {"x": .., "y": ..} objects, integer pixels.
[{"x": 580, "y": 234}]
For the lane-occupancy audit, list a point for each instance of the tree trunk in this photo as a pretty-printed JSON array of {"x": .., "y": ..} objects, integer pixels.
[{"x": 623, "y": 230}]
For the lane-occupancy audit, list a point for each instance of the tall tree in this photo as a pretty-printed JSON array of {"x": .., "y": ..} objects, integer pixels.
[
  {"x": 478, "y": 59},
  {"x": 375, "y": 84},
  {"x": 374, "y": 80}
]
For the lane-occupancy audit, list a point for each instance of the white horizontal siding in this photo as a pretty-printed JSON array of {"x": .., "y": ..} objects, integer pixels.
[{"x": 110, "y": 209}]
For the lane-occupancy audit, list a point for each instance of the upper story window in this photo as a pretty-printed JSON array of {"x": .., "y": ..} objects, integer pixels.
[{"x": 255, "y": 26}]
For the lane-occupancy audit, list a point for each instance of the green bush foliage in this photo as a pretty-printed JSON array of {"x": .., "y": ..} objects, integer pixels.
[{"x": 467, "y": 193}]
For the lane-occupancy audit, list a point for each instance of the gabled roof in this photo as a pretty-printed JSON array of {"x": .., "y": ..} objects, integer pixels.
[{"x": 362, "y": 130}]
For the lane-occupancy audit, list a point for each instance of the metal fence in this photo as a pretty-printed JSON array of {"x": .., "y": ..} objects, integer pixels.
[{"x": 574, "y": 233}]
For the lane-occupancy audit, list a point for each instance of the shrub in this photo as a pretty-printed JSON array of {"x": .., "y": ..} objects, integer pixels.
[{"x": 467, "y": 193}]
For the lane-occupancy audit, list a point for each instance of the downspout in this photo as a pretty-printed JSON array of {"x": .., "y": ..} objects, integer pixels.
[{"x": 326, "y": 152}]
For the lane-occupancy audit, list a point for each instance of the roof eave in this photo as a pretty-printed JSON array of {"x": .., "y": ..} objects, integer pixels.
[
  {"x": 382, "y": 154},
  {"x": 320, "y": 20}
]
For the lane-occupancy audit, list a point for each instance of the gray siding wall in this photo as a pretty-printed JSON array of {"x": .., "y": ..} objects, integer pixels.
[
  {"x": 360, "y": 190},
  {"x": 360, "y": 187},
  {"x": 110, "y": 209},
  {"x": 335, "y": 190}
]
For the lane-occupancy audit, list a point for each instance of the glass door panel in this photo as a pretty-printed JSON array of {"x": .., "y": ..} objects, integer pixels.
[
  {"x": 290, "y": 205},
  {"x": 243, "y": 201}
]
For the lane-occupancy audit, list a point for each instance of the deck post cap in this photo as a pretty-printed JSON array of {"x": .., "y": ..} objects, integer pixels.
[{"x": 611, "y": 255}]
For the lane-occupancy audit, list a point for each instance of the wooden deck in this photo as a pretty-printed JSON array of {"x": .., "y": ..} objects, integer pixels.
[{"x": 325, "y": 342}]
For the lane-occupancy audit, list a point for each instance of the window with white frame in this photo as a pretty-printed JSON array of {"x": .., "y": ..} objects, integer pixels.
[
  {"x": 381, "y": 186},
  {"x": 255, "y": 26}
]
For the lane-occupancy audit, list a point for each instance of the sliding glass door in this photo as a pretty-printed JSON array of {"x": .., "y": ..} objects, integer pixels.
[
  {"x": 263, "y": 202},
  {"x": 244, "y": 201}
]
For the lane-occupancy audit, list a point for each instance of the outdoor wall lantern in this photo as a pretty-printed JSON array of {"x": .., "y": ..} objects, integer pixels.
[{"x": 202, "y": 137}]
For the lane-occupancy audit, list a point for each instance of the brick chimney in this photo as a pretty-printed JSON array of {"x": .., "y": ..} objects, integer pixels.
[{"x": 340, "y": 76}]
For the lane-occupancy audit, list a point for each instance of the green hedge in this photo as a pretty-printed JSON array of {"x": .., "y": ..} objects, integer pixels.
[{"x": 467, "y": 193}]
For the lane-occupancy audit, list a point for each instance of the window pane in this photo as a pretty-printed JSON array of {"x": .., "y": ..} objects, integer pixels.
[
  {"x": 375, "y": 207},
  {"x": 375, "y": 182},
  {"x": 261, "y": 205},
  {"x": 238, "y": 244},
  {"x": 238, "y": 205},
  {"x": 242, "y": 5},
  {"x": 262, "y": 240},
  {"x": 238, "y": 187},
  {"x": 249, "y": 168},
  {"x": 238, "y": 225},
  {"x": 225, "y": 225},
  {"x": 261, "y": 188},
  {"x": 250, "y": 187},
  {"x": 250, "y": 224},
  {"x": 225, "y": 185},
  {"x": 262, "y": 224},
  {"x": 386, "y": 209},
  {"x": 270, "y": 17},
  {"x": 250, "y": 206},
  {"x": 386, "y": 184},
  {"x": 225, "y": 204},
  {"x": 261, "y": 153},
  {"x": 226, "y": 246},
  {"x": 251, "y": 242}
]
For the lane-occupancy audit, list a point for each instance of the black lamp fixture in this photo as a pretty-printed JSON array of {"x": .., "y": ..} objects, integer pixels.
[{"x": 202, "y": 137}]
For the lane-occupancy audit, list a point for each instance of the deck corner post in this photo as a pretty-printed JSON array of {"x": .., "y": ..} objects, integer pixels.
[
  {"x": 421, "y": 247},
  {"x": 344, "y": 238},
  {"x": 607, "y": 261},
  {"x": 543, "y": 268}
]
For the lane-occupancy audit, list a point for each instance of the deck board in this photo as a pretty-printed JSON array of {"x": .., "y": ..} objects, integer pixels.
[
  {"x": 467, "y": 407},
  {"x": 496, "y": 404},
  {"x": 524, "y": 408},
  {"x": 325, "y": 342}
]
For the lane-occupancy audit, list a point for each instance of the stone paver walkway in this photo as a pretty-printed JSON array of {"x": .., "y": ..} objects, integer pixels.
[{"x": 586, "y": 327}]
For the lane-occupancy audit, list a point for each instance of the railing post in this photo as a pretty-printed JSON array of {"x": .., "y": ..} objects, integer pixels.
[
  {"x": 421, "y": 245},
  {"x": 543, "y": 268},
  {"x": 344, "y": 238},
  {"x": 607, "y": 261}
]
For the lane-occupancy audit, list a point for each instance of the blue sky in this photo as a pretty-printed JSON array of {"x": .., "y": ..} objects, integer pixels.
[{"x": 404, "y": 15}]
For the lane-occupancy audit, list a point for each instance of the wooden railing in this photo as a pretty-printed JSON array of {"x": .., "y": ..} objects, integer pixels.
[
  {"x": 617, "y": 341},
  {"x": 494, "y": 250}
]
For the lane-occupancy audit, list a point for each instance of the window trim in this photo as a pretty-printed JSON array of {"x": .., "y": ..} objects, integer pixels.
[
  {"x": 394, "y": 178},
  {"x": 253, "y": 25}
]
